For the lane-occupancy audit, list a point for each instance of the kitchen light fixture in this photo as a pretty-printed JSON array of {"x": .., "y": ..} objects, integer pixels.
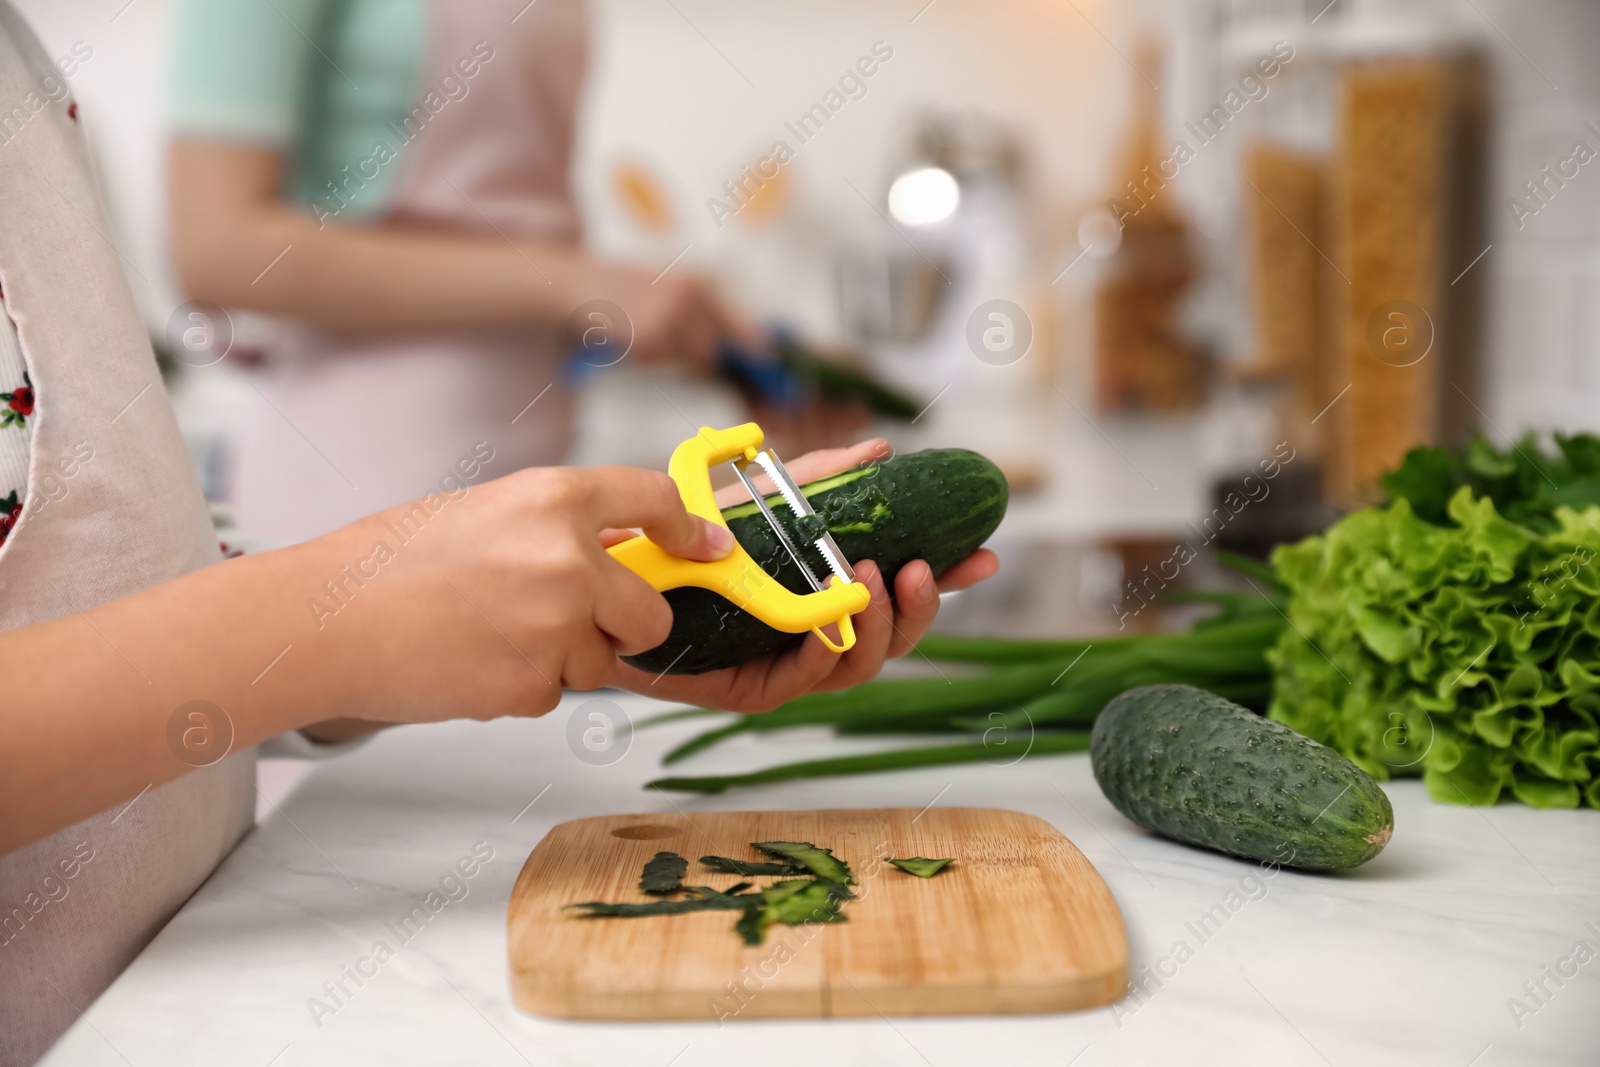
[{"x": 923, "y": 196}]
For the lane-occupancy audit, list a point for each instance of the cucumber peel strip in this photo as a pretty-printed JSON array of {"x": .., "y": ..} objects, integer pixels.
[
  {"x": 921, "y": 866},
  {"x": 664, "y": 874},
  {"x": 751, "y": 868},
  {"x": 819, "y": 861},
  {"x": 704, "y": 899}
]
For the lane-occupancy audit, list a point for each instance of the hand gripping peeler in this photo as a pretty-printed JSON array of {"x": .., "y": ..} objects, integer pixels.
[{"x": 739, "y": 578}]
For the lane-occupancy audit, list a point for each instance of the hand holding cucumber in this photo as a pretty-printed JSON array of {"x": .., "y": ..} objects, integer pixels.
[
  {"x": 505, "y": 596},
  {"x": 885, "y": 630}
]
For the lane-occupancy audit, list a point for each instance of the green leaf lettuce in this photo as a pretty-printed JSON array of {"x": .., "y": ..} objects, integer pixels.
[{"x": 1465, "y": 649}]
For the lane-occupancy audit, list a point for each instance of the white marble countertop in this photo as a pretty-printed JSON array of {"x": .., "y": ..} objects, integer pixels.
[{"x": 1413, "y": 959}]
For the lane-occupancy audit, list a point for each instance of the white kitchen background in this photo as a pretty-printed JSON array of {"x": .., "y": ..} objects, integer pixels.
[{"x": 694, "y": 89}]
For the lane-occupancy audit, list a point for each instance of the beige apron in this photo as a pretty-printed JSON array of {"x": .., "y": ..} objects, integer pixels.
[
  {"x": 355, "y": 426},
  {"x": 131, "y": 516}
]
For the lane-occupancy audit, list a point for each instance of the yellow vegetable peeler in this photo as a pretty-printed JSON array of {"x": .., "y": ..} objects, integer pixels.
[{"x": 739, "y": 578}]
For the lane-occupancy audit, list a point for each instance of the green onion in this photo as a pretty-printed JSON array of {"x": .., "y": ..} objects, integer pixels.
[
  {"x": 895, "y": 759},
  {"x": 1059, "y": 686}
]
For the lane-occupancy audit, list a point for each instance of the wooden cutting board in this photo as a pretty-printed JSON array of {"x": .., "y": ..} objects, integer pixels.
[{"x": 1020, "y": 923}]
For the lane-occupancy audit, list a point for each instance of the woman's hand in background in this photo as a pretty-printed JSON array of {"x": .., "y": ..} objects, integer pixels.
[
  {"x": 229, "y": 220},
  {"x": 884, "y": 630},
  {"x": 676, "y": 316}
]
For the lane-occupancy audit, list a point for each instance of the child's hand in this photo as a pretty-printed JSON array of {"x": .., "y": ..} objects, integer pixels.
[
  {"x": 883, "y": 631},
  {"x": 505, "y": 596}
]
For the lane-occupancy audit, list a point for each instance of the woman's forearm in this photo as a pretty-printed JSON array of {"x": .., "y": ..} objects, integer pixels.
[{"x": 237, "y": 244}]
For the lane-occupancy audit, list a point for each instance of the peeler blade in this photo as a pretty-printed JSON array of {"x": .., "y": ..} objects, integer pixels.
[
  {"x": 777, "y": 527},
  {"x": 825, "y": 544}
]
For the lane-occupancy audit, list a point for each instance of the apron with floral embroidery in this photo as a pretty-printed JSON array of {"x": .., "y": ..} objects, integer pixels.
[
  {"x": 15, "y": 443},
  {"x": 110, "y": 506}
]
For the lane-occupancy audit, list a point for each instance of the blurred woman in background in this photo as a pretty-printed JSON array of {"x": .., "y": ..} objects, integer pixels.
[{"x": 391, "y": 178}]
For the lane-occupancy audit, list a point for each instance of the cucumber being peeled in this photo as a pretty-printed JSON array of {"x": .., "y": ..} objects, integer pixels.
[{"x": 938, "y": 505}]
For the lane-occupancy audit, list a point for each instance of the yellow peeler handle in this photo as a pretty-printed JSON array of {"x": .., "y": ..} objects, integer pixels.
[{"x": 738, "y": 578}]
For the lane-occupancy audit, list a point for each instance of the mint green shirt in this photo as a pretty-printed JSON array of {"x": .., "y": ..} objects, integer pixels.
[{"x": 326, "y": 82}]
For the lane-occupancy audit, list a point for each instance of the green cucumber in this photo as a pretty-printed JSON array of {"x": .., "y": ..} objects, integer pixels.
[
  {"x": 938, "y": 505},
  {"x": 1189, "y": 765}
]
